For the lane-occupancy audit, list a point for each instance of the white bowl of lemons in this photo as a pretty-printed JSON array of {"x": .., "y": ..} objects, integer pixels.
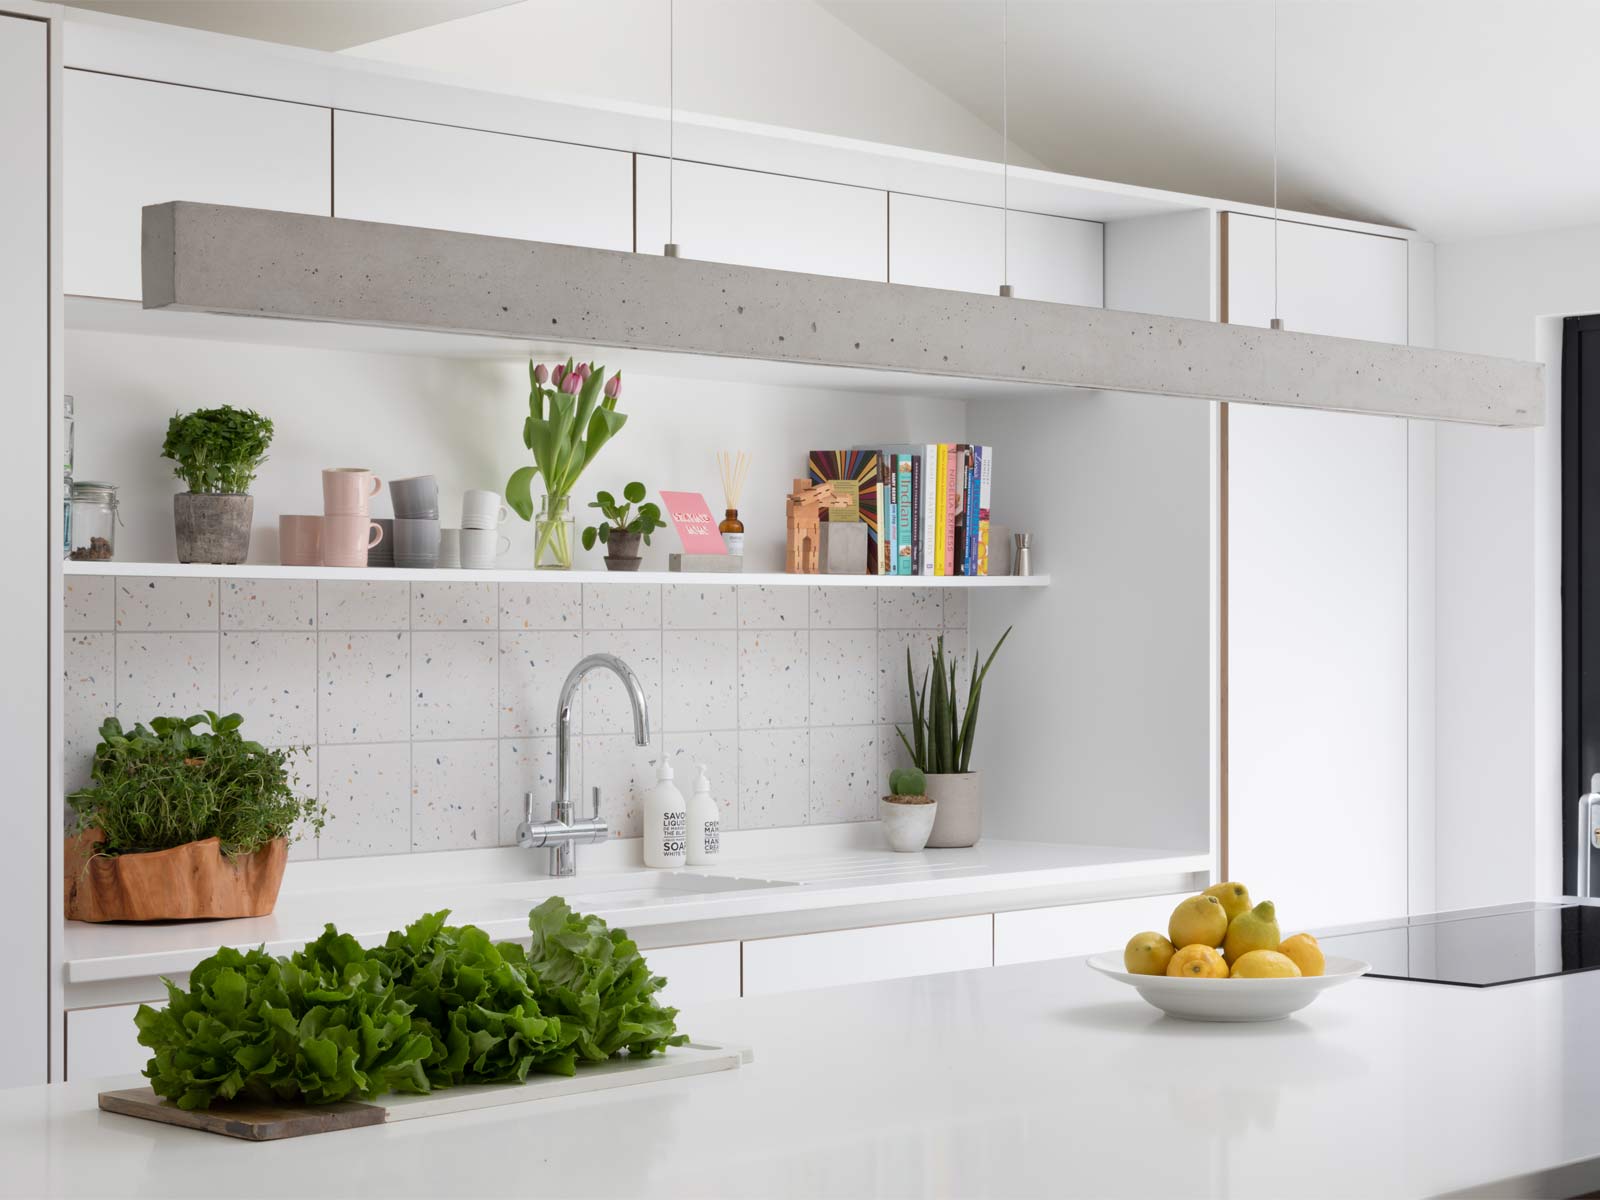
[{"x": 1225, "y": 959}]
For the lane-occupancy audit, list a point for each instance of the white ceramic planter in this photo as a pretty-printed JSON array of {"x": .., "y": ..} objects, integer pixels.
[
  {"x": 960, "y": 819},
  {"x": 907, "y": 826}
]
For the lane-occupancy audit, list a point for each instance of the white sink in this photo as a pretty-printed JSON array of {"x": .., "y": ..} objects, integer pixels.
[{"x": 644, "y": 889}]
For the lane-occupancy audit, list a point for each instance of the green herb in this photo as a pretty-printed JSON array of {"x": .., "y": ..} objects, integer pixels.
[
  {"x": 218, "y": 449},
  {"x": 475, "y": 1003},
  {"x": 156, "y": 788},
  {"x": 618, "y": 518},
  {"x": 595, "y": 979},
  {"x": 316, "y": 1028},
  {"x": 943, "y": 735}
]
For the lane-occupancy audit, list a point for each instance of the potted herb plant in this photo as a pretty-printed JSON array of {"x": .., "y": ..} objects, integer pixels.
[
  {"x": 907, "y": 812},
  {"x": 218, "y": 451},
  {"x": 182, "y": 823},
  {"x": 572, "y": 413},
  {"x": 941, "y": 745},
  {"x": 622, "y": 529}
]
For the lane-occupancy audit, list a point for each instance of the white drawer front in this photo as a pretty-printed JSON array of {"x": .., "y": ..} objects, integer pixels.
[
  {"x": 103, "y": 1041},
  {"x": 697, "y": 974},
  {"x": 1034, "y": 934},
  {"x": 814, "y": 960}
]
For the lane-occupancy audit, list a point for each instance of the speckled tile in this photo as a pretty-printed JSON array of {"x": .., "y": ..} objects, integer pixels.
[
  {"x": 455, "y": 685},
  {"x": 609, "y": 606},
  {"x": 160, "y": 605},
  {"x": 455, "y": 795},
  {"x": 773, "y": 678},
  {"x": 773, "y": 607},
  {"x": 541, "y": 606},
  {"x": 529, "y": 765},
  {"x": 910, "y": 608},
  {"x": 774, "y": 783},
  {"x": 368, "y": 605},
  {"x": 844, "y": 775},
  {"x": 365, "y": 688},
  {"x": 698, "y": 606},
  {"x": 88, "y": 696},
  {"x": 605, "y": 701},
  {"x": 955, "y": 608},
  {"x": 454, "y": 606},
  {"x": 844, "y": 676},
  {"x": 720, "y": 753},
  {"x": 532, "y": 668},
  {"x": 699, "y": 679},
  {"x": 894, "y": 702},
  {"x": 368, "y": 793},
  {"x": 303, "y": 778},
  {"x": 622, "y": 772},
  {"x": 165, "y": 675},
  {"x": 89, "y": 603},
  {"x": 843, "y": 608},
  {"x": 269, "y": 604},
  {"x": 271, "y": 680}
]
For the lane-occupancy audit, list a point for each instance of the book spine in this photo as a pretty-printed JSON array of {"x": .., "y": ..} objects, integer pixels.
[
  {"x": 930, "y": 477},
  {"x": 985, "y": 491},
  {"x": 891, "y": 516},
  {"x": 938, "y": 510},
  {"x": 952, "y": 497},
  {"x": 902, "y": 474},
  {"x": 972, "y": 510},
  {"x": 875, "y": 544},
  {"x": 916, "y": 514}
]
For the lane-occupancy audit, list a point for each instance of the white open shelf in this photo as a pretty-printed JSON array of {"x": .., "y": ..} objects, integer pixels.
[{"x": 513, "y": 575}]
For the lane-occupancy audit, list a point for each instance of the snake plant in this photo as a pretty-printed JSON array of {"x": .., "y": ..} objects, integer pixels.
[{"x": 941, "y": 741}]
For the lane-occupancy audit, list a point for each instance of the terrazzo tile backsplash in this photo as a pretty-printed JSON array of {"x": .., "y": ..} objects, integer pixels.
[{"x": 429, "y": 709}]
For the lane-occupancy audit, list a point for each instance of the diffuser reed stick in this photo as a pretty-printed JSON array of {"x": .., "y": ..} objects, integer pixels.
[{"x": 734, "y": 465}]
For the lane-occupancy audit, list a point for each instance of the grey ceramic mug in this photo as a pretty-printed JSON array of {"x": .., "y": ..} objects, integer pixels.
[
  {"x": 415, "y": 497},
  {"x": 416, "y": 541}
]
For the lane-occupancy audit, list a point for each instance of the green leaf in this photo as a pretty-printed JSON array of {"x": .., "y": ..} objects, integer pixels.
[
  {"x": 519, "y": 491},
  {"x": 633, "y": 493},
  {"x": 589, "y": 535}
]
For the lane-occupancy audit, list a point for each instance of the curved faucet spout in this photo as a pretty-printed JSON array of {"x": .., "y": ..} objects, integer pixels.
[{"x": 641, "y": 710}]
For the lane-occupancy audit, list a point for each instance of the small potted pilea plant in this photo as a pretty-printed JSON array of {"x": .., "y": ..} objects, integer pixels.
[{"x": 623, "y": 528}]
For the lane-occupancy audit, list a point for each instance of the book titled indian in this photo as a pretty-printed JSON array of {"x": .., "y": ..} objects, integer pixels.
[
  {"x": 854, "y": 475},
  {"x": 905, "y": 495}
]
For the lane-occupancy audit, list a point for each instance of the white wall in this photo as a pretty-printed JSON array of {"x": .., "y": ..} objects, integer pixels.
[{"x": 1499, "y": 576}]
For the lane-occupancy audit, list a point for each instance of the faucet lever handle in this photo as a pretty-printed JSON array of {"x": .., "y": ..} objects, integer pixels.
[{"x": 595, "y": 795}]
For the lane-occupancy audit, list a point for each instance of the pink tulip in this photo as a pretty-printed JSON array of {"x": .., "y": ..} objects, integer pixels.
[
  {"x": 558, "y": 374},
  {"x": 541, "y": 374},
  {"x": 572, "y": 384},
  {"x": 583, "y": 370},
  {"x": 614, "y": 387}
]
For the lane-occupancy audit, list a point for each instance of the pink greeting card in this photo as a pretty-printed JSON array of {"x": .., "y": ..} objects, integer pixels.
[{"x": 696, "y": 526}]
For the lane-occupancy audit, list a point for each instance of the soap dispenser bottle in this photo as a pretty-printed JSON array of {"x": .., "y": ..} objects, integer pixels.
[
  {"x": 705, "y": 824},
  {"x": 666, "y": 821}
]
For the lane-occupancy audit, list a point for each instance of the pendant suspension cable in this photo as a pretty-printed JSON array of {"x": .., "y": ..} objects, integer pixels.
[
  {"x": 671, "y": 248},
  {"x": 1277, "y": 321},
  {"x": 1005, "y": 147}
]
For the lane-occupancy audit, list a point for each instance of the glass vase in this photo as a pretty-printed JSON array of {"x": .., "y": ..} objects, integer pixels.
[{"x": 554, "y": 534}]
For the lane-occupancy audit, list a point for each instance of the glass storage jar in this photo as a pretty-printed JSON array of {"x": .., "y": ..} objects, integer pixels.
[{"x": 94, "y": 521}]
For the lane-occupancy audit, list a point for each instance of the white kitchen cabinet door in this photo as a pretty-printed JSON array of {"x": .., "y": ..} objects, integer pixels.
[
  {"x": 444, "y": 177},
  {"x": 104, "y": 1041},
  {"x": 131, "y": 142},
  {"x": 948, "y": 244},
  {"x": 1317, "y": 608},
  {"x": 816, "y": 960},
  {"x": 1036, "y": 934},
  {"x": 721, "y": 214},
  {"x": 697, "y": 974}
]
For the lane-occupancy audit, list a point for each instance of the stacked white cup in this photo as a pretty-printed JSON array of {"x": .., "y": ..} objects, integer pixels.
[{"x": 481, "y": 540}]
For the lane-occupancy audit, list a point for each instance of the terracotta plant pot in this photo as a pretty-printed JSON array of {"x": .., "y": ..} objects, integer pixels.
[
  {"x": 907, "y": 821},
  {"x": 213, "y": 528},
  {"x": 960, "y": 819},
  {"x": 622, "y": 552},
  {"x": 195, "y": 881}
]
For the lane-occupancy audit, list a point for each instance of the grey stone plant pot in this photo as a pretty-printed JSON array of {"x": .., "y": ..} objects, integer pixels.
[
  {"x": 959, "y": 821},
  {"x": 907, "y": 821},
  {"x": 622, "y": 551},
  {"x": 213, "y": 528}
]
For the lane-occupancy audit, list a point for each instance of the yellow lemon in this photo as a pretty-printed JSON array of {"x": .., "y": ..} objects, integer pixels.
[
  {"x": 1265, "y": 964},
  {"x": 1197, "y": 962},
  {"x": 1303, "y": 951},
  {"x": 1198, "y": 921},
  {"x": 1235, "y": 897},
  {"x": 1147, "y": 954},
  {"x": 1253, "y": 930}
]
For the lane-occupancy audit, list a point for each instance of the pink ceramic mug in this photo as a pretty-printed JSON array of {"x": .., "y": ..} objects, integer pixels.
[
  {"x": 346, "y": 490},
  {"x": 346, "y": 538},
  {"x": 300, "y": 541}
]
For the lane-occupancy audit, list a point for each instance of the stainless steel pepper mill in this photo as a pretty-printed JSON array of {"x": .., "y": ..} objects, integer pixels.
[{"x": 1021, "y": 563}]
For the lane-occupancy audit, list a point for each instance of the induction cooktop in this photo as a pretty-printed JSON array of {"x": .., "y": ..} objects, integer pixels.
[{"x": 1481, "y": 947}]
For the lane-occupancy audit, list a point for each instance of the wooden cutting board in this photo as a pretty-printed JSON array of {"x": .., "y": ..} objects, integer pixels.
[{"x": 269, "y": 1122}]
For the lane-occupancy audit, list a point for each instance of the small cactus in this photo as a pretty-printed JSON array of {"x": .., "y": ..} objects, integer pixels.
[{"x": 907, "y": 781}]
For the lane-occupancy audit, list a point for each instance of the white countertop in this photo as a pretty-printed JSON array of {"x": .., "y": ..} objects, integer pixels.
[
  {"x": 1043, "y": 1079},
  {"x": 757, "y": 896}
]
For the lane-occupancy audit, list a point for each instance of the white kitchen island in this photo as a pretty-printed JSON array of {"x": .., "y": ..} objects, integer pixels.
[{"x": 1036, "y": 1080}]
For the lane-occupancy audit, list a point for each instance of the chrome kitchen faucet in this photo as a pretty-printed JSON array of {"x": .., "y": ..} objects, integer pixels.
[{"x": 564, "y": 830}]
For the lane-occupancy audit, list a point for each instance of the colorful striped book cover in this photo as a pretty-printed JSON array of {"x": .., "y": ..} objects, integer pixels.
[{"x": 854, "y": 473}]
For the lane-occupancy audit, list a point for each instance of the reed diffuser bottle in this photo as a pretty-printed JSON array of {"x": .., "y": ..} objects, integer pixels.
[{"x": 734, "y": 465}]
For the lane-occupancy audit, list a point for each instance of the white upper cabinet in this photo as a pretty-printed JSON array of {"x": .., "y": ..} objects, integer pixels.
[
  {"x": 129, "y": 142},
  {"x": 442, "y": 177},
  {"x": 1317, "y": 597},
  {"x": 720, "y": 214},
  {"x": 948, "y": 244}
]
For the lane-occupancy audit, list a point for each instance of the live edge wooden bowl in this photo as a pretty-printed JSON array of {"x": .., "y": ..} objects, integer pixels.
[{"x": 195, "y": 881}]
